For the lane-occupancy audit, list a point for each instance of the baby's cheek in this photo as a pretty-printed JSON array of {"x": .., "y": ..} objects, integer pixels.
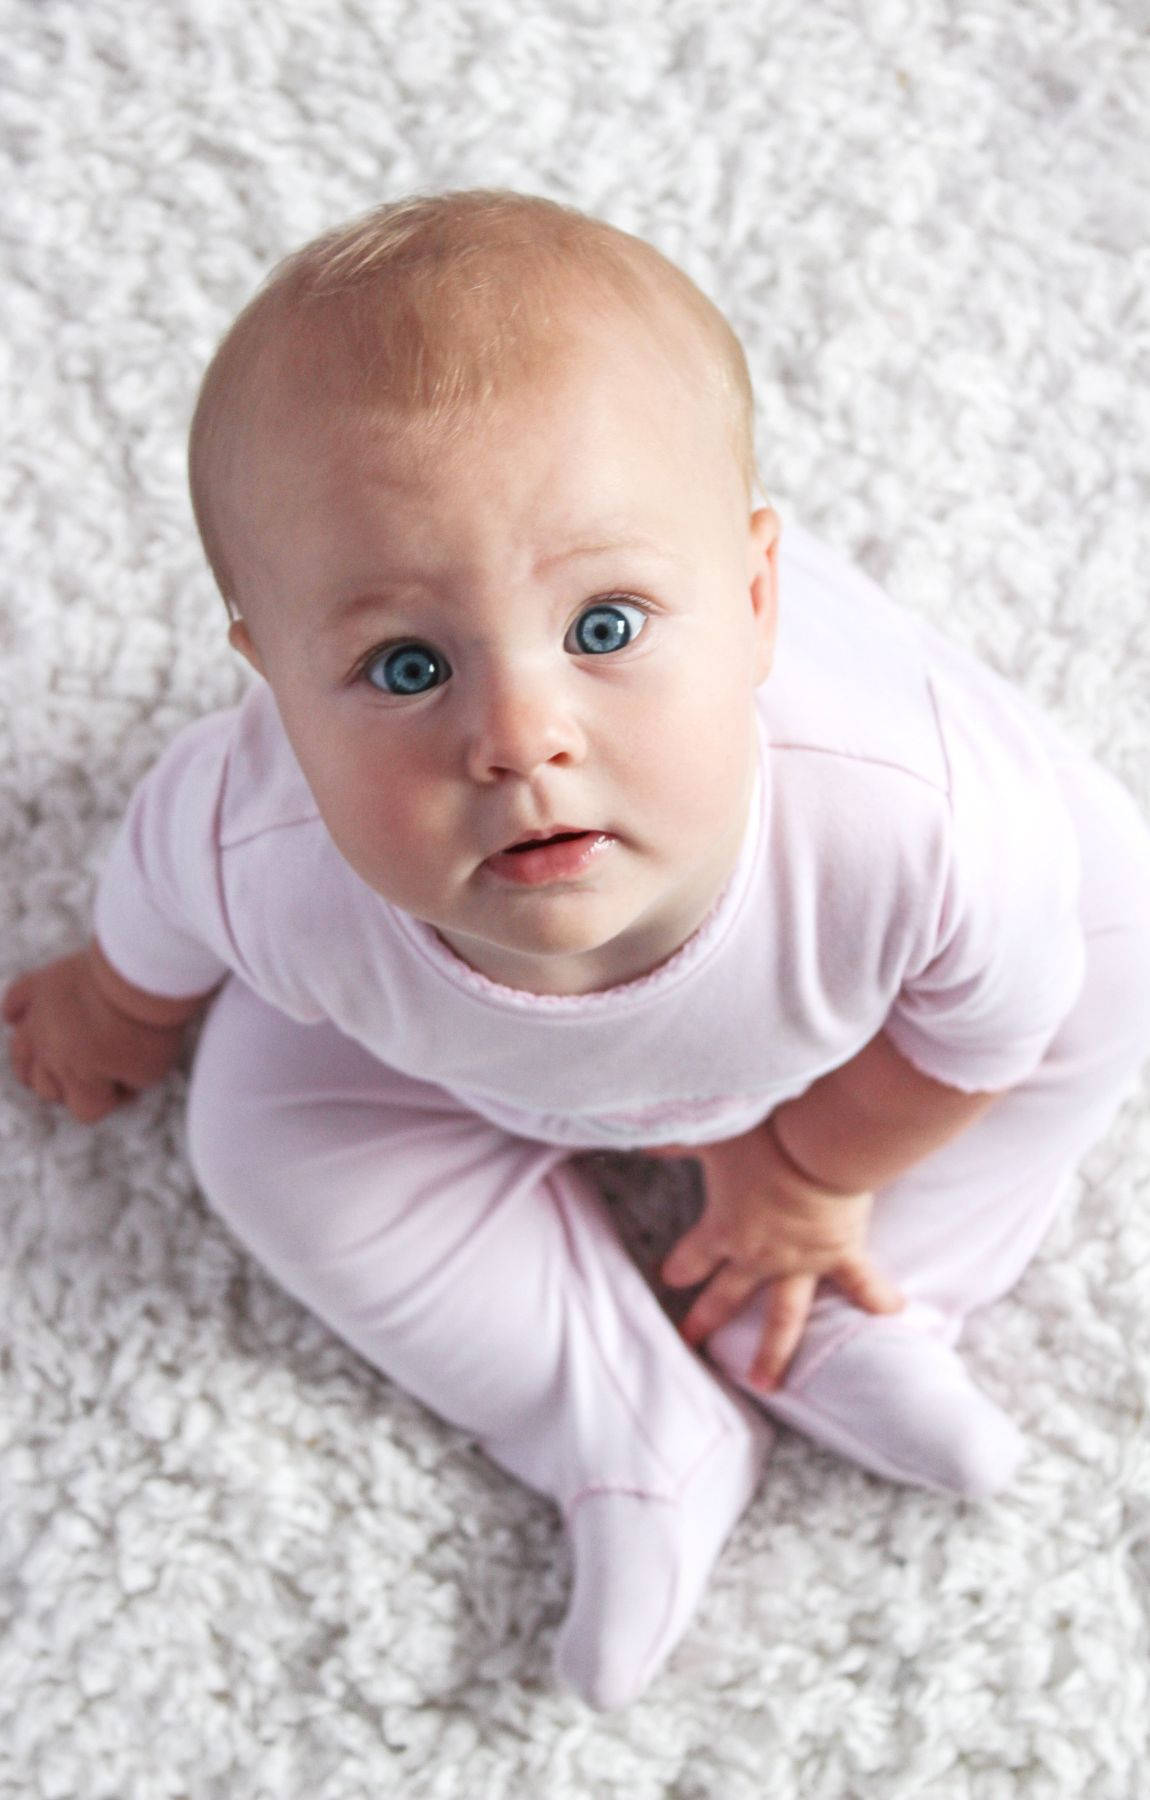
[
  {"x": 377, "y": 818},
  {"x": 715, "y": 778},
  {"x": 394, "y": 822},
  {"x": 703, "y": 742}
]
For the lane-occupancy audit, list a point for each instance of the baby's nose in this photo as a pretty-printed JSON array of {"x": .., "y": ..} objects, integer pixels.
[{"x": 521, "y": 720}]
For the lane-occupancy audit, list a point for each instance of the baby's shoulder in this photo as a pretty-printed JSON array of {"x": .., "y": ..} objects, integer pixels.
[{"x": 851, "y": 677}]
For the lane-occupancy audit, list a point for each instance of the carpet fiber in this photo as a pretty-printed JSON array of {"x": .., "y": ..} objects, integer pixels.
[{"x": 236, "y": 1563}]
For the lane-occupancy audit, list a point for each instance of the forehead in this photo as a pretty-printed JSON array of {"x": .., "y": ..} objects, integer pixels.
[{"x": 610, "y": 447}]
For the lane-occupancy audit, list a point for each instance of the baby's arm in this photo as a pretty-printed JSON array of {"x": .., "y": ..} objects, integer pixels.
[
  {"x": 84, "y": 1036},
  {"x": 789, "y": 1201}
]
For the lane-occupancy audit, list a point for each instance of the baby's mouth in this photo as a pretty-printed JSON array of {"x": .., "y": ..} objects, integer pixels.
[
  {"x": 559, "y": 837},
  {"x": 554, "y": 856}
]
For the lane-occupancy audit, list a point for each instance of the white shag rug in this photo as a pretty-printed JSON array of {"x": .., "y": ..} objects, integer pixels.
[{"x": 236, "y": 1563}]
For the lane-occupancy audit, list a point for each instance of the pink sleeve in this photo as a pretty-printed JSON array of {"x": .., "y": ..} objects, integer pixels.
[
  {"x": 160, "y": 916},
  {"x": 1007, "y": 958}
]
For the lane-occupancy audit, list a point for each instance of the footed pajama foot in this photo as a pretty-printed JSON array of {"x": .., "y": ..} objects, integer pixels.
[
  {"x": 641, "y": 1563},
  {"x": 900, "y": 1403}
]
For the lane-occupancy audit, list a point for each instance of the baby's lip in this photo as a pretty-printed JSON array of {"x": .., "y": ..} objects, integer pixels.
[
  {"x": 544, "y": 859},
  {"x": 526, "y": 838}
]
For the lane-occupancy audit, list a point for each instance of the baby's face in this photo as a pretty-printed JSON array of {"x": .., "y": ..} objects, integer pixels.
[{"x": 554, "y": 625}]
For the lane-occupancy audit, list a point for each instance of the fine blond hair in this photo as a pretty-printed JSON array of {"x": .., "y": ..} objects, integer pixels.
[{"x": 434, "y": 305}]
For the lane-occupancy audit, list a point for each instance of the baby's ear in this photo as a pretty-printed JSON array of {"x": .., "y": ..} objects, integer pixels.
[
  {"x": 240, "y": 638},
  {"x": 766, "y": 529},
  {"x": 764, "y": 586}
]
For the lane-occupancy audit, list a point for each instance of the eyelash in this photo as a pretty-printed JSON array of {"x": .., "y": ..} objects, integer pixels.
[{"x": 382, "y": 651}]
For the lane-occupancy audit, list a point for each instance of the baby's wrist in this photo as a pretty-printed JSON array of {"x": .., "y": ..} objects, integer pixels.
[{"x": 158, "y": 1011}]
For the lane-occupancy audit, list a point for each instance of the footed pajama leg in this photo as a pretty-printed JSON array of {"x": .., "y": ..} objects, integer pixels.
[{"x": 480, "y": 1272}]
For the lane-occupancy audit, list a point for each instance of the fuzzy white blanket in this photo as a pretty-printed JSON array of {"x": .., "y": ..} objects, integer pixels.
[{"x": 236, "y": 1564}]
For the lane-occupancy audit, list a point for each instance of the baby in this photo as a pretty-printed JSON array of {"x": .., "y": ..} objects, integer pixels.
[{"x": 577, "y": 808}]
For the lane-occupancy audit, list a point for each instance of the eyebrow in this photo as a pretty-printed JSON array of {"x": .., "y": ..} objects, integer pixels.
[
  {"x": 602, "y": 546},
  {"x": 373, "y": 600}
]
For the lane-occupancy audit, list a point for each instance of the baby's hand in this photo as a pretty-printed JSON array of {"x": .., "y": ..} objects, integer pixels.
[
  {"x": 764, "y": 1222},
  {"x": 72, "y": 1043}
]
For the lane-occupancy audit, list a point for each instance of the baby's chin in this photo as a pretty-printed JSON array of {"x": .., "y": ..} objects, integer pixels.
[
  {"x": 564, "y": 964},
  {"x": 563, "y": 951}
]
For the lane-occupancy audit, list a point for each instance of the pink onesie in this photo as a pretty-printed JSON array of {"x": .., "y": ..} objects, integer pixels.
[
  {"x": 907, "y": 840},
  {"x": 393, "y": 1134}
]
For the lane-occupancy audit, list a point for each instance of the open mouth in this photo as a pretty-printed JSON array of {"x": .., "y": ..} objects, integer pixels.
[
  {"x": 538, "y": 862},
  {"x": 561, "y": 837}
]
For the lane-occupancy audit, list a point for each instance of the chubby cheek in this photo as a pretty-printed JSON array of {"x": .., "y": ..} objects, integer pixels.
[
  {"x": 688, "y": 751},
  {"x": 385, "y": 821}
]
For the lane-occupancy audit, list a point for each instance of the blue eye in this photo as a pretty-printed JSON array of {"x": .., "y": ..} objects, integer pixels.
[
  {"x": 608, "y": 626},
  {"x": 409, "y": 669}
]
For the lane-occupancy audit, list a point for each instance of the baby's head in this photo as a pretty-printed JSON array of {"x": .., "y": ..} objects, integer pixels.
[
  {"x": 474, "y": 475},
  {"x": 428, "y": 310}
]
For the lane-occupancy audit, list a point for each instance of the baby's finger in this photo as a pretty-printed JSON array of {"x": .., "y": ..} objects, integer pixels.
[
  {"x": 15, "y": 1002},
  {"x": 720, "y": 1300},
  {"x": 693, "y": 1258},
  {"x": 91, "y": 1101},
  {"x": 863, "y": 1284},
  {"x": 44, "y": 1084},
  {"x": 20, "y": 1056},
  {"x": 788, "y": 1308}
]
